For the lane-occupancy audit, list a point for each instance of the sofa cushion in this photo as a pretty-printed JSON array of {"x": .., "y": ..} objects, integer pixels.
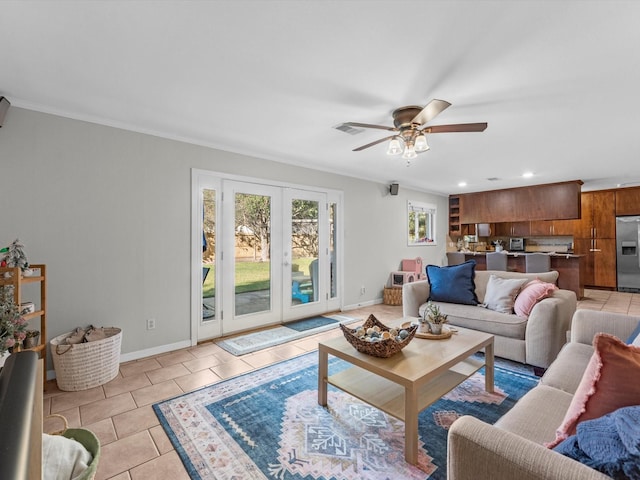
[
  {"x": 566, "y": 370},
  {"x": 453, "y": 284},
  {"x": 482, "y": 319},
  {"x": 531, "y": 294},
  {"x": 501, "y": 293},
  {"x": 606, "y": 384},
  {"x": 525, "y": 418},
  {"x": 482, "y": 279}
]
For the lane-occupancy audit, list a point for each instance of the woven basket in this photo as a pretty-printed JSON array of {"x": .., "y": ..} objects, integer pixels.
[
  {"x": 392, "y": 296},
  {"x": 383, "y": 348},
  {"x": 86, "y": 365},
  {"x": 87, "y": 439}
]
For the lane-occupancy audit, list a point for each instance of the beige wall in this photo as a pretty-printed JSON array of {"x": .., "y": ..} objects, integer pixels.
[{"x": 108, "y": 211}]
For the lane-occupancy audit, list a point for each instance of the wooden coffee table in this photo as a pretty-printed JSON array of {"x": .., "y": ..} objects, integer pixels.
[{"x": 408, "y": 382}]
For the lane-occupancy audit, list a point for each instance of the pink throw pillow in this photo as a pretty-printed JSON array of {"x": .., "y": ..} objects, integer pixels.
[
  {"x": 532, "y": 293},
  {"x": 608, "y": 383}
]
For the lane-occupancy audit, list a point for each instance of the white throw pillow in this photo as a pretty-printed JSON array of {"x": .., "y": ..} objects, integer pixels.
[{"x": 501, "y": 293}]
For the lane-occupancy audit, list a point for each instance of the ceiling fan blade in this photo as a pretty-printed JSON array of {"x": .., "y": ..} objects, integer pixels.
[
  {"x": 368, "y": 125},
  {"x": 373, "y": 143},
  {"x": 431, "y": 111},
  {"x": 460, "y": 127}
]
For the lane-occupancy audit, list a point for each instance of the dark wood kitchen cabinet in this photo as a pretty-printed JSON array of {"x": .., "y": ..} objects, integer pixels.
[
  {"x": 595, "y": 237},
  {"x": 540, "y": 202},
  {"x": 628, "y": 201},
  {"x": 598, "y": 215},
  {"x": 513, "y": 229},
  {"x": 553, "y": 227},
  {"x": 600, "y": 261}
]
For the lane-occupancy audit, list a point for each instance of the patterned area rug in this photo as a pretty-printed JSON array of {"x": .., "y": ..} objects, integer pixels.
[
  {"x": 267, "y": 424},
  {"x": 252, "y": 342}
]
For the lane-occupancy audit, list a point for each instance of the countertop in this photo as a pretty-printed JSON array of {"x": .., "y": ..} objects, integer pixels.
[{"x": 517, "y": 254}]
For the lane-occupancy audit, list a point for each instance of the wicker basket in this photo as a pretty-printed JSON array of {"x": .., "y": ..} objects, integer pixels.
[
  {"x": 87, "y": 439},
  {"x": 383, "y": 348},
  {"x": 392, "y": 296},
  {"x": 86, "y": 365}
]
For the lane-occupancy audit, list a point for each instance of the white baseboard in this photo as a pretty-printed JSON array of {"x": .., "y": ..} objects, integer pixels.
[
  {"x": 148, "y": 352},
  {"x": 375, "y": 301}
]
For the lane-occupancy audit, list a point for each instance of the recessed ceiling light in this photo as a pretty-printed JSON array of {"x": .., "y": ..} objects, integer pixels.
[
  {"x": 462, "y": 184},
  {"x": 527, "y": 174}
]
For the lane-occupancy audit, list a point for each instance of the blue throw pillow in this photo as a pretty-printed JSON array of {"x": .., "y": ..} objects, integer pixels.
[
  {"x": 634, "y": 335},
  {"x": 454, "y": 283},
  {"x": 609, "y": 444}
]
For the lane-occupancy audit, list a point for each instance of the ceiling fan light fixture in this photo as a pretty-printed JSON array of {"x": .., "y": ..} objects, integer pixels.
[
  {"x": 394, "y": 147},
  {"x": 421, "y": 144},
  {"x": 409, "y": 152}
]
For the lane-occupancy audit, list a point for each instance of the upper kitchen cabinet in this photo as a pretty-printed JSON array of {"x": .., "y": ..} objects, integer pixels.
[
  {"x": 513, "y": 229},
  {"x": 598, "y": 215},
  {"x": 628, "y": 201},
  {"x": 553, "y": 227},
  {"x": 540, "y": 202}
]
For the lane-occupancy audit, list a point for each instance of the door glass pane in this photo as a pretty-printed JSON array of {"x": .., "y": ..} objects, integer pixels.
[
  {"x": 304, "y": 251},
  {"x": 333, "y": 221},
  {"x": 252, "y": 253},
  {"x": 208, "y": 255}
]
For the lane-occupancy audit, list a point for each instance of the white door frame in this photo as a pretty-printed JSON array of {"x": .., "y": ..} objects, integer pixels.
[{"x": 206, "y": 179}]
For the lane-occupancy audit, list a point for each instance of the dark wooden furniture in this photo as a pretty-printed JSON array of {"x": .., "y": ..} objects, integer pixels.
[
  {"x": 595, "y": 238},
  {"x": 553, "y": 201},
  {"x": 628, "y": 201}
]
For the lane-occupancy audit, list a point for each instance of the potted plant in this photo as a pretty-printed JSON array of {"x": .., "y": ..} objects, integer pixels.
[
  {"x": 31, "y": 338},
  {"x": 433, "y": 318},
  {"x": 12, "y": 323}
]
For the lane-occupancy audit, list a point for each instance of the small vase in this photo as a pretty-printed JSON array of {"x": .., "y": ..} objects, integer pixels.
[
  {"x": 423, "y": 327},
  {"x": 436, "y": 328}
]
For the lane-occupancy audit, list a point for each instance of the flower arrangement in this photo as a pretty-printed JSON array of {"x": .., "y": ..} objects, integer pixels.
[{"x": 13, "y": 326}]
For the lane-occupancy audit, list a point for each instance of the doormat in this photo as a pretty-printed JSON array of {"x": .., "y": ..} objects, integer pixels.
[
  {"x": 252, "y": 342},
  {"x": 268, "y": 424}
]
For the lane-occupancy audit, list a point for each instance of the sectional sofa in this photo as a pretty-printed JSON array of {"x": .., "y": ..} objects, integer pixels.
[{"x": 514, "y": 448}]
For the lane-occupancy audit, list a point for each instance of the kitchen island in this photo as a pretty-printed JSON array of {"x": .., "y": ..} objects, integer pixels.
[{"x": 570, "y": 267}]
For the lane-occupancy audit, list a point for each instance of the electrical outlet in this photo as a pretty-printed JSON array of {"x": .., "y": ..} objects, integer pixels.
[
  {"x": 362, "y": 290},
  {"x": 151, "y": 323}
]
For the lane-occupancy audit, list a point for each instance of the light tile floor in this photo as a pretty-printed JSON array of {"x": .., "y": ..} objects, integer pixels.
[{"x": 134, "y": 445}]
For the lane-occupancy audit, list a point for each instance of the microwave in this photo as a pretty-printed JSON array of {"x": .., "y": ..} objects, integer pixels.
[{"x": 516, "y": 244}]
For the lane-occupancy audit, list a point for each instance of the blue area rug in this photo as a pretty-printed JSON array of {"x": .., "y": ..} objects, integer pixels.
[
  {"x": 268, "y": 424},
  {"x": 252, "y": 342}
]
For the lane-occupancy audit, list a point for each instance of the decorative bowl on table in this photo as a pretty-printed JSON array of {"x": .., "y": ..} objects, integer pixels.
[{"x": 376, "y": 339}]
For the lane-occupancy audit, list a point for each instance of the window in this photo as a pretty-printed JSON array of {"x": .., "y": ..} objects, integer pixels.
[{"x": 421, "y": 223}]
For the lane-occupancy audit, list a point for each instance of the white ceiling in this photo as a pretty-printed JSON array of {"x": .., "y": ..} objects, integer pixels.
[{"x": 558, "y": 82}]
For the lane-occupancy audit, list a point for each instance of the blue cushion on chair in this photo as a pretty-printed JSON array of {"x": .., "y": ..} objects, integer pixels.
[{"x": 453, "y": 284}]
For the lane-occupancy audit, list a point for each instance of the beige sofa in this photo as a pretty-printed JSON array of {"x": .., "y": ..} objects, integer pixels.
[
  {"x": 513, "y": 447},
  {"x": 535, "y": 341}
]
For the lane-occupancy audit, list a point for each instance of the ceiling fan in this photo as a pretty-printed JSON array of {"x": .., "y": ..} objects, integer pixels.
[{"x": 409, "y": 136}]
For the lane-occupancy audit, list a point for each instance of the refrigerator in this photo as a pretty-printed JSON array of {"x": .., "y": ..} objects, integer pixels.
[{"x": 627, "y": 248}]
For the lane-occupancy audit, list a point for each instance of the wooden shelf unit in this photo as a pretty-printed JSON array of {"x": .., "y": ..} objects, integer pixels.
[{"x": 13, "y": 276}]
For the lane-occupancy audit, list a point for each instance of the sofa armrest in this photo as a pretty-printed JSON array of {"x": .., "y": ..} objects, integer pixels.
[
  {"x": 479, "y": 450},
  {"x": 414, "y": 294},
  {"x": 547, "y": 327},
  {"x": 586, "y": 323}
]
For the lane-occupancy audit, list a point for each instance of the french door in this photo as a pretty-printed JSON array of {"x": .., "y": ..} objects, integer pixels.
[{"x": 267, "y": 254}]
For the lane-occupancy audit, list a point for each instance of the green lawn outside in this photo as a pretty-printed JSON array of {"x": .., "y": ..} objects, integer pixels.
[{"x": 250, "y": 276}]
